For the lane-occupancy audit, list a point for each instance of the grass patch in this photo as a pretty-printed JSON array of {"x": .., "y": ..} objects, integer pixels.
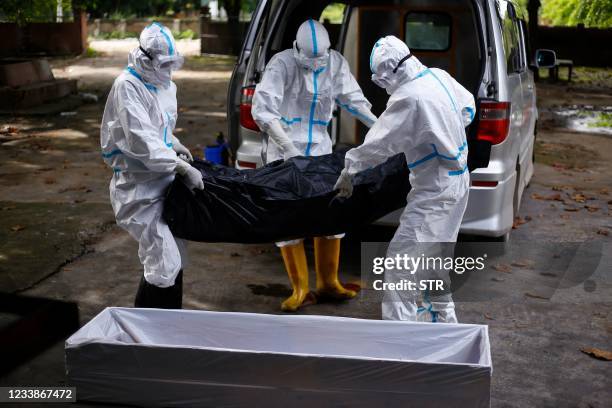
[
  {"x": 603, "y": 120},
  {"x": 598, "y": 77},
  {"x": 203, "y": 61},
  {"x": 91, "y": 53},
  {"x": 185, "y": 35}
]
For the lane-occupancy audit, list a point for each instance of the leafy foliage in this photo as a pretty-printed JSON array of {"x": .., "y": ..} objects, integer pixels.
[
  {"x": 591, "y": 13},
  {"x": 334, "y": 13},
  {"x": 27, "y": 11}
]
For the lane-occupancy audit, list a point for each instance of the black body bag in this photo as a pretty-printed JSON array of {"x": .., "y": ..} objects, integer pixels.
[{"x": 283, "y": 200}]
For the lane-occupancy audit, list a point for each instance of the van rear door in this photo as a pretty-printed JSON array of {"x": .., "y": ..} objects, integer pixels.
[{"x": 240, "y": 70}]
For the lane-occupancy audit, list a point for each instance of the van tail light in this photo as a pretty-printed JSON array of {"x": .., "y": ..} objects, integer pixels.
[
  {"x": 246, "y": 164},
  {"x": 494, "y": 121},
  {"x": 477, "y": 183},
  {"x": 246, "y": 102}
]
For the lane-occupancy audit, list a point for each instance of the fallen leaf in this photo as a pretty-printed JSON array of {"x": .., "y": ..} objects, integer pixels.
[
  {"x": 604, "y": 191},
  {"x": 549, "y": 274},
  {"x": 49, "y": 180},
  {"x": 518, "y": 221},
  {"x": 597, "y": 353},
  {"x": 9, "y": 130},
  {"x": 603, "y": 232},
  {"x": 579, "y": 198},
  {"x": 72, "y": 188},
  {"x": 560, "y": 166},
  {"x": 565, "y": 216},
  {"x": 497, "y": 279},
  {"x": 505, "y": 268},
  {"x": 554, "y": 197},
  {"x": 536, "y": 296},
  {"x": 17, "y": 228},
  {"x": 488, "y": 316},
  {"x": 591, "y": 208},
  {"x": 571, "y": 209},
  {"x": 522, "y": 264}
]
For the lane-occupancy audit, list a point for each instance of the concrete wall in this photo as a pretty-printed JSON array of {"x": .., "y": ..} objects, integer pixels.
[
  {"x": 44, "y": 38},
  {"x": 585, "y": 46},
  {"x": 98, "y": 27}
]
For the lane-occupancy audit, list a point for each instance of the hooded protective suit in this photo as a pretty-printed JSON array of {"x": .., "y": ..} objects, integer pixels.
[
  {"x": 137, "y": 142},
  {"x": 293, "y": 105},
  {"x": 425, "y": 119},
  {"x": 298, "y": 92}
]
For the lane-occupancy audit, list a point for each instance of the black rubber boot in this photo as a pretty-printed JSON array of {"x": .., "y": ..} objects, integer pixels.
[{"x": 151, "y": 296}]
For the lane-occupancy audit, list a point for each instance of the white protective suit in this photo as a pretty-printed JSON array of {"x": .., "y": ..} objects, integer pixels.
[
  {"x": 425, "y": 119},
  {"x": 137, "y": 142},
  {"x": 300, "y": 88},
  {"x": 295, "y": 100}
]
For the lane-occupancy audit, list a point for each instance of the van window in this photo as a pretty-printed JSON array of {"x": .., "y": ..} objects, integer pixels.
[
  {"x": 427, "y": 31},
  {"x": 511, "y": 36}
]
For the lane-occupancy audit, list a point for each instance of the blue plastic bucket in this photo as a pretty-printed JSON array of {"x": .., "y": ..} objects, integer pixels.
[{"x": 214, "y": 154}]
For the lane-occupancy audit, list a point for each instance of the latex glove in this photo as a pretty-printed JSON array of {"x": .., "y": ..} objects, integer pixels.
[
  {"x": 344, "y": 184},
  {"x": 191, "y": 175},
  {"x": 279, "y": 136},
  {"x": 178, "y": 147}
]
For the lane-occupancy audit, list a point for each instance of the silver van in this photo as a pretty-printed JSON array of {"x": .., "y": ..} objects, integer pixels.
[{"x": 482, "y": 43}]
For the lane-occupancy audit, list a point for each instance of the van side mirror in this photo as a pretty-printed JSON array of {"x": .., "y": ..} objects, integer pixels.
[{"x": 545, "y": 58}]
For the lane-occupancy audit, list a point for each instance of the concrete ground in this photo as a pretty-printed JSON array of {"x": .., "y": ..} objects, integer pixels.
[{"x": 58, "y": 240}]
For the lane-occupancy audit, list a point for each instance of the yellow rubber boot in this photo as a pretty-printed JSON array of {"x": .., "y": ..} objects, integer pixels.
[
  {"x": 297, "y": 269},
  {"x": 327, "y": 259}
]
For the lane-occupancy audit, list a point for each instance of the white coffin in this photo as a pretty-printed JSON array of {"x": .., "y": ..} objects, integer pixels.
[{"x": 182, "y": 358}]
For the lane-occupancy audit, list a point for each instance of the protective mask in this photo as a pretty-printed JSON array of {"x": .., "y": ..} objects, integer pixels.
[
  {"x": 164, "y": 68},
  {"x": 381, "y": 81},
  {"x": 162, "y": 77},
  {"x": 387, "y": 82},
  {"x": 311, "y": 63}
]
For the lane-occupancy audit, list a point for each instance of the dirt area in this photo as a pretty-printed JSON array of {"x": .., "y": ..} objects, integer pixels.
[{"x": 58, "y": 239}]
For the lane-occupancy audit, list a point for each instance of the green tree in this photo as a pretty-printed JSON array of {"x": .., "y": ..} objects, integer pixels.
[
  {"x": 28, "y": 11},
  {"x": 591, "y": 13}
]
